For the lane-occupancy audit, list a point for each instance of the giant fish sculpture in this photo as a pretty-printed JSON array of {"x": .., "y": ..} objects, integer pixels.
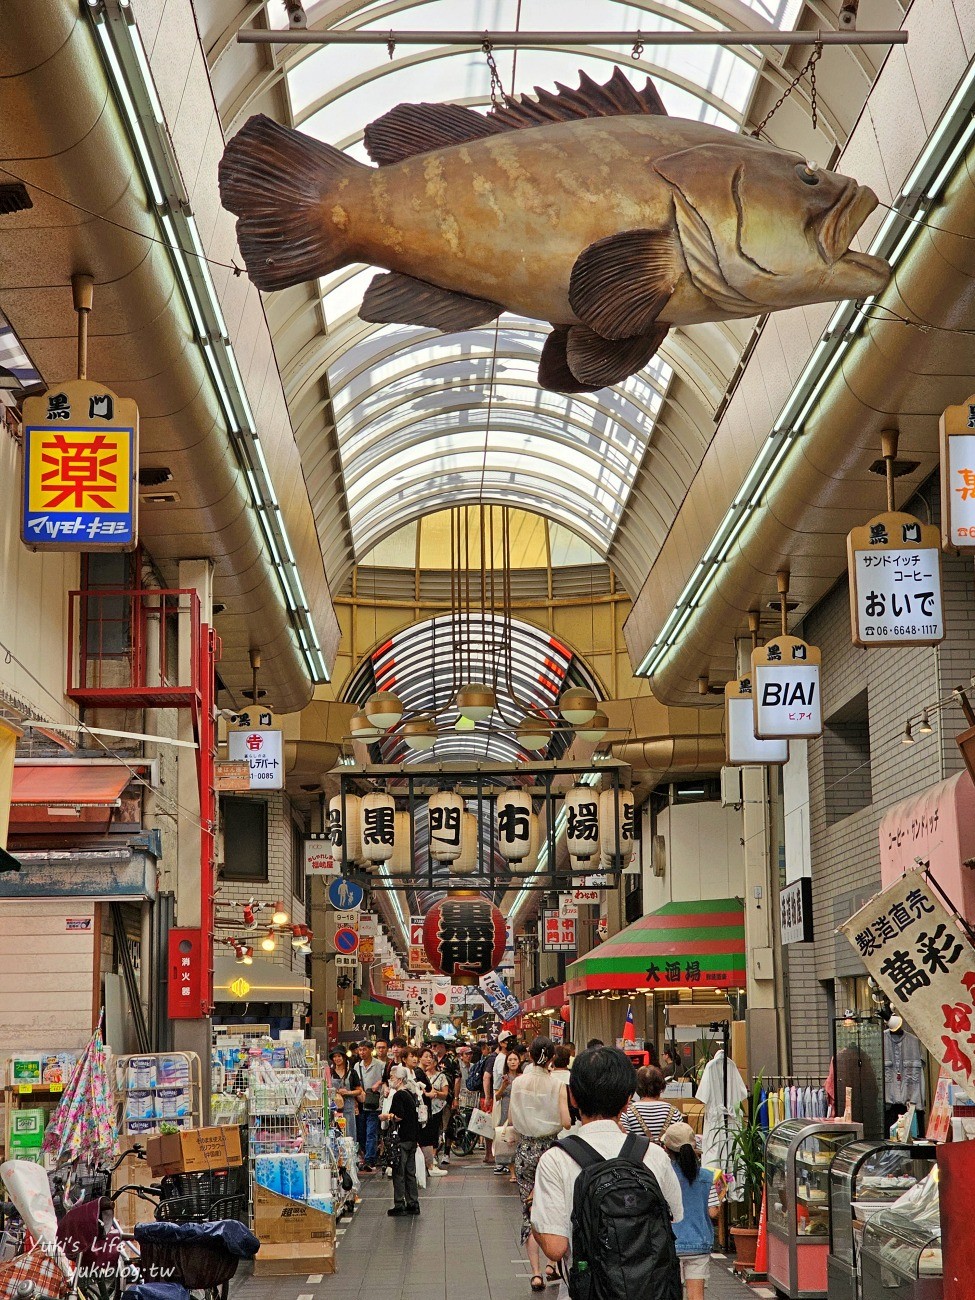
[{"x": 589, "y": 208}]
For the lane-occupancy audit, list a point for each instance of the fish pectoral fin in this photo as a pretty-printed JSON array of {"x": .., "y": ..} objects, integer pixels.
[
  {"x": 396, "y": 299},
  {"x": 621, "y": 284},
  {"x": 598, "y": 362},
  {"x": 553, "y": 365}
]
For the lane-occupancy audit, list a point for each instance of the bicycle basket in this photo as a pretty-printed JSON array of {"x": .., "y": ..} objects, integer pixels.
[
  {"x": 36, "y": 1267},
  {"x": 196, "y": 1264},
  {"x": 196, "y": 1198}
]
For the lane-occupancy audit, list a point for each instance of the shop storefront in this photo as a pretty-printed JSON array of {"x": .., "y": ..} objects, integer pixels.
[
  {"x": 547, "y": 1013},
  {"x": 682, "y": 952}
]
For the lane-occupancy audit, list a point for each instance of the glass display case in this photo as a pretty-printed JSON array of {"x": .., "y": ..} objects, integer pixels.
[
  {"x": 866, "y": 1177},
  {"x": 797, "y": 1163},
  {"x": 900, "y": 1258}
]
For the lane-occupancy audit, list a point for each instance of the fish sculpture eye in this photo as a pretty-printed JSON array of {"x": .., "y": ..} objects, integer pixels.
[{"x": 807, "y": 173}]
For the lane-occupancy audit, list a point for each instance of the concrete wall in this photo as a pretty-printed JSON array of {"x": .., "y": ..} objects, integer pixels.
[{"x": 703, "y": 855}]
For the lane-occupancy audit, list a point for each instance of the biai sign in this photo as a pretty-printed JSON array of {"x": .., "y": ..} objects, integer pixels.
[{"x": 787, "y": 697}]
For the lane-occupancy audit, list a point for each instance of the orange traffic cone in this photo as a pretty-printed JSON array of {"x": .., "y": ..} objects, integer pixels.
[{"x": 761, "y": 1248}]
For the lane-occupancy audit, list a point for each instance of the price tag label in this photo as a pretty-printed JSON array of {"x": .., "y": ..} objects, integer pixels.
[
  {"x": 57, "y": 1087},
  {"x": 25, "y": 1087}
]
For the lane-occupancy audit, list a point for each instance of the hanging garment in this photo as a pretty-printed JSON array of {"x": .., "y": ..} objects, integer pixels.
[
  {"x": 903, "y": 1070},
  {"x": 830, "y": 1088},
  {"x": 721, "y": 1102},
  {"x": 763, "y": 1111}
]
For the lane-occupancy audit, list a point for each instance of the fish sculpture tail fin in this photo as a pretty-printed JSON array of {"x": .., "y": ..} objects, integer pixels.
[{"x": 277, "y": 181}]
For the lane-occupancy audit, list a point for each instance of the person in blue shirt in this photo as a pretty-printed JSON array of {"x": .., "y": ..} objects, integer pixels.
[{"x": 695, "y": 1231}]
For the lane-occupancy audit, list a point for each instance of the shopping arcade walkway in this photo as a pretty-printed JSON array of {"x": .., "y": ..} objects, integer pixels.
[{"x": 463, "y": 1246}]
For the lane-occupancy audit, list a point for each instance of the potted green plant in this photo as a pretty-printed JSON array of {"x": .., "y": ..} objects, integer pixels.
[{"x": 748, "y": 1168}]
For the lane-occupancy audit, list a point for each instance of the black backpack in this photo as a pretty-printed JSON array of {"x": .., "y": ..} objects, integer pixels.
[{"x": 622, "y": 1242}]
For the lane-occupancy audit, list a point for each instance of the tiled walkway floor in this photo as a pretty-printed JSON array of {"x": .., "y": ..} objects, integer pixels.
[{"x": 463, "y": 1246}]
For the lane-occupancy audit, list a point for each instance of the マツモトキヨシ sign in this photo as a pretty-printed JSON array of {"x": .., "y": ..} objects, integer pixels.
[{"x": 81, "y": 459}]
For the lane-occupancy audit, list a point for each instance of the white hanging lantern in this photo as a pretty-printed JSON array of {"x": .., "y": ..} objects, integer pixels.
[
  {"x": 476, "y": 701},
  {"x": 420, "y": 733},
  {"x": 466, "y": 863},
  {"x": 529, "y": 863},
  {"x": 513, "y": 823},
  {"x": 578, "y": 705},
  {"x": 378, "y": 811},
  {"x": 607, "y": 827},
  {"x": 401, "y": 861},
  {"x": 534, "y": 733},
  {"x": 383, "y": 709},
  {"x": 362, "y": 729},
  {"x": 445, "y": 811},
  {"x": 595, "y": 729},
  {"x": 582, "y": 824},
  {"x": 347, "y": 839}
]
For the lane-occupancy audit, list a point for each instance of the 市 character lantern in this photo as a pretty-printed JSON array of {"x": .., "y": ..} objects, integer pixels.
[
  {"x": 463, "y": 936},
  {"x": 514, "y": 810}
]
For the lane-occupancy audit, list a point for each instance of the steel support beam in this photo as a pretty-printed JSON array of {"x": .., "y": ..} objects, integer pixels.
[{"x": 533, "y": 40}]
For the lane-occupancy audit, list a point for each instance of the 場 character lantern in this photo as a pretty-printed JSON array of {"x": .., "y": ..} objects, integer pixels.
[{"x": 463, "y": 936}]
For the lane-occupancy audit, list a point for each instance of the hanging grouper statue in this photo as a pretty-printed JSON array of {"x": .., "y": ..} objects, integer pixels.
[{"x": 588, "y": 208}]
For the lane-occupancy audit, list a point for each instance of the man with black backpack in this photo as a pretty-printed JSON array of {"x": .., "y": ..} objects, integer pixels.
[{"x": 604, "y": 1200}]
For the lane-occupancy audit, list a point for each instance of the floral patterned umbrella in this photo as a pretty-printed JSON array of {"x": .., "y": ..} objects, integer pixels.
[{"x": 84, "y": 1125}]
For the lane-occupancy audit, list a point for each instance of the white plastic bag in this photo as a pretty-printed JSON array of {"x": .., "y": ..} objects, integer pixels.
[
  {"x": 421, "y": 1168},
  {"x": 481, "y": 1123},
  {"x": 28, "y": 1188}
]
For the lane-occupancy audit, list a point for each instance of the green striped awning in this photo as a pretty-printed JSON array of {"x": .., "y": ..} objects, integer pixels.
[
  {"x": 681, "y": 945},
  {"x": 367, "y": 1009}
]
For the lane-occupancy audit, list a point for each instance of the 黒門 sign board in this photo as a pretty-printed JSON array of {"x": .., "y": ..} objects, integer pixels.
[
  {"x": 787, "y": 699},
  {"x": 81, "y": 460},
  {"x": 894, "y": 565},
  {"x": 742, "y": 746},
  {"x": 957, "y": 429},
  {"x": 922, "y": 959}
]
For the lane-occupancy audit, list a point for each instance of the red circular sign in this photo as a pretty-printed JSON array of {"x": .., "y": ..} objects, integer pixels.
[{"x": 346, "y": 940}]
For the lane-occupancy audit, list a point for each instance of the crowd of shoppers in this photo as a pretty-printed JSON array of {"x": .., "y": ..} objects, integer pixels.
[{"x": 558, "y": 1119}]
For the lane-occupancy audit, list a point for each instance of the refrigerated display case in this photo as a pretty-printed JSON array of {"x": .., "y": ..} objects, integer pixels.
[
  {"x": 900, "y": 1258},
  {"x": 864, "y": 1178},
  {"x": 797, "y": 1163}
]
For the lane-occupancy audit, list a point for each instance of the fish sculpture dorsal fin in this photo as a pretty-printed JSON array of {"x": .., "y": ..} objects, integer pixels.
[
  {"x": 411, "y": 129},
  {"x": 616, "y": 98}
]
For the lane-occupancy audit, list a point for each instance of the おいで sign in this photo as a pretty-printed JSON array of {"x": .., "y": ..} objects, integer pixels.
[
  {"x": 922, "y": 959},
  {"x": 787, "y": 697},
  {"x": 894, "y": 569}
]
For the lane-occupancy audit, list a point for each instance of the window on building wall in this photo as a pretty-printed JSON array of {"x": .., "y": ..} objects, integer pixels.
[
  {"x": 108, "y": 619},
  {"x": 244, "y": 838},
  {"x": 297, "y": 862},
  {"x": 846, "y": 760}
]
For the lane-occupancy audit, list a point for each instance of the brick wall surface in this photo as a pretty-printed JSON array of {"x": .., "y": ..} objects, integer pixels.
[
  {"x": 845, "y": 848},
  {"x": 280, "y": 818}
]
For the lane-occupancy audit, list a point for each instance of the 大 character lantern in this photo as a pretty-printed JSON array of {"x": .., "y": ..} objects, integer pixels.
[
  {"x": 514, "y": 815},
  {"x": 445, "y": 811},
  {"x": 582, "y": 823},
  {"x": 610, "y": 821},
  {"x": 464, "y": 936},
  {"x": 347, "y": 839},
  {"x": 378, "y": 814}
]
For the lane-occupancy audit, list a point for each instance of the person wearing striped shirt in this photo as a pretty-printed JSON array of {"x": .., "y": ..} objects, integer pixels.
[{"x": 647, "y": 1113}]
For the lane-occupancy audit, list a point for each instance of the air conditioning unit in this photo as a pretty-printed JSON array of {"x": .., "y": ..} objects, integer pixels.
[
  {"x": 731, "y": 787},
  {"x": 658, "y": 855}
]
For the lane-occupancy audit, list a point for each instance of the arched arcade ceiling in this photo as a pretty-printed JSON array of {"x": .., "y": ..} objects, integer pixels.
[{"x": 396, "y": 422}]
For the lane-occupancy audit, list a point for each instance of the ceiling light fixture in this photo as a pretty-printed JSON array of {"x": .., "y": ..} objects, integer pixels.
[
  {"x": 420, "y": 733},
  {"x": 476, "y": 701},
  {"x": 907, "y": 738},
  {"x": 578, "y": 705},
  {"x": 383, "y": 709},
  {"x": 595, "y": 729}
]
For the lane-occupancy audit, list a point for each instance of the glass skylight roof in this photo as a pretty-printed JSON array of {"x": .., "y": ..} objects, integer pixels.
[{"x": 411, "y": 404}]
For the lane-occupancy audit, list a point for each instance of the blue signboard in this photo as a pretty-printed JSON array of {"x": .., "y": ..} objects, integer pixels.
[{"x": 345, "y": 895}]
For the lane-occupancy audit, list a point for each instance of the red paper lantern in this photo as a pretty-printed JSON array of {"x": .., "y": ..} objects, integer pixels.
[
  {"x": 463, "y": 936},
  {"x": 564, "y": 1011}
]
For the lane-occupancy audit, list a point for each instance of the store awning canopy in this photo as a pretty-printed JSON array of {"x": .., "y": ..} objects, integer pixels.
[
  {"x": 696, "y": 945},
  {"x": 65, "y": 797},
  {"x": 369, "y": 1009},
  {"x": 548, "y": 998}
]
